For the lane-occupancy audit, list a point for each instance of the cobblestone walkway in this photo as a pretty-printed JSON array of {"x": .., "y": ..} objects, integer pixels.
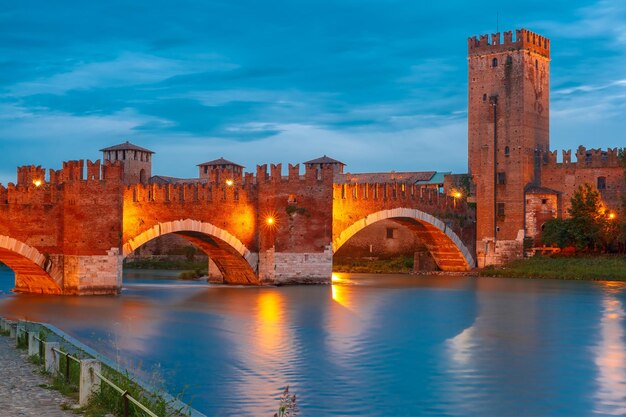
[{"x": 20, "y": 393}]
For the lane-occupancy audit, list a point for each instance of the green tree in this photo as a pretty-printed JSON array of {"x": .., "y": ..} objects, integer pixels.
[{"x": 589, "y": 226}]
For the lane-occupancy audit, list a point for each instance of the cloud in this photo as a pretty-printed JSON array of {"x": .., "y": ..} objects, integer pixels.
[{"x": 129, "y": 68}]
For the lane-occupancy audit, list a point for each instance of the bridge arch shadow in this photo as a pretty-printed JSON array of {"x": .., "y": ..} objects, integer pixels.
[
  {"x": 34, "y": 272},
  {"x": 231, "y": 256},
  {"x": 448, "y": 250}
]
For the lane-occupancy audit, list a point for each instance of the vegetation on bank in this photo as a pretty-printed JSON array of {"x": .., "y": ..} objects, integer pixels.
[
  {"x": 166, "y": 264},
  {"x": 401, "y": 264},
  {"x": 609, "y": 268},
  {"x": 107, "y": 401}
]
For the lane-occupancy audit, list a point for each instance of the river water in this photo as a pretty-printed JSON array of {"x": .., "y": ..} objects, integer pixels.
[{"x": 369, "y": 345}]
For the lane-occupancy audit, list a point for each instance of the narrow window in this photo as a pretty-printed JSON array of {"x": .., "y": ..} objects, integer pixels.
[
  {"x": 601, "y": 183},
  {"x": 291, "y": 199},
  {"x": 501, "y": 178},
  {"x": 494, "y": 62},
  {"x": 509, "y": 60},
  {"x": 500, "y": 209},
  {"x": 506, "y": 151},
  {"x": 206, "y": 169},
  {"x": 536, "y": 65},
  {"x": 544, "y": 201},
  {"x": 343, "y": 191},
  {"x": 484, "y": 97},
  {"x": 390, "y": 232}
]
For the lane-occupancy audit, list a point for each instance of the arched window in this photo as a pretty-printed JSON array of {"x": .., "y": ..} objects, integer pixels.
[
  {"x": 536, "y": 65},
  {"x": 601, "y": 183},
  {"x": 506, "y": 151},
  {"x": 494, "y": 62},
  {"x": 484, "y": 97}
]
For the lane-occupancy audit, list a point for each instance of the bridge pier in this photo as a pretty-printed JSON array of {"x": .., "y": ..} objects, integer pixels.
[
  {"x": 92, "y": 274},
  {"x": 282, "y": 268}
]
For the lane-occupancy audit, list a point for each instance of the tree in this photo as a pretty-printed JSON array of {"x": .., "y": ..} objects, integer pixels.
[{"x": 589, "y": 226}]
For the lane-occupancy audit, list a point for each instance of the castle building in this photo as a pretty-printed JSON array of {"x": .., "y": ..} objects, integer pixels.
[{"x": 517, "y": 181}]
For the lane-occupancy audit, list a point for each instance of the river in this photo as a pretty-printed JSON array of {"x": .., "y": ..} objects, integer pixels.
[{"x": 369, "y": 345}]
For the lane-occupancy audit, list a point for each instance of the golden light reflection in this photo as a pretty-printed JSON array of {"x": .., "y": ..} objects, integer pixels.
[
  {"x": 612, "y": 216},
  {"x": 269, "y": 330},
  {"x": 230, "y": 182},
  {"x": 270, "y": 221},
  {"x": 611, "y": 357},
  {"x": 37, "y": 183},
  {"x": 340, "y": 292}
]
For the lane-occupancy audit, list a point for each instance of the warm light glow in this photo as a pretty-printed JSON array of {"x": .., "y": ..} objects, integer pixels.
[
  {"x": 37, "y": 183},
  {"x": 270, "y": 221},
  {"x": 611, "y": 216},
  {"x": 335, "y": 278},
  {"x": 230, "y": 182},
  {"x": 457, "y": 194}
]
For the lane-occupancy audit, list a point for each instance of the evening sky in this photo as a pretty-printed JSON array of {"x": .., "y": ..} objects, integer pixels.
[{"x": 379, "y": 85}]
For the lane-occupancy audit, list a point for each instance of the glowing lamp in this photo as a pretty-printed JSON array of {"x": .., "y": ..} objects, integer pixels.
[
  {"x": 230, "y": 182},
  {"x": 270, "y": 221},
  {"x": 457, "y": 194},
  {"x": 611, "y": 216},
  {"x": 37, "y": 183}
]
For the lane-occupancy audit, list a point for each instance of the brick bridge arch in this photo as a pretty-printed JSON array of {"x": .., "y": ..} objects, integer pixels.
[
  {"x": 231, "y": 256},
  {"x": 33, "y": 270},
  {"x": 449, "y": 252}
]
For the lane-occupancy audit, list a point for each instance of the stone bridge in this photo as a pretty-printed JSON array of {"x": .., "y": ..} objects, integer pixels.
[{"x": 68, "y": 232}]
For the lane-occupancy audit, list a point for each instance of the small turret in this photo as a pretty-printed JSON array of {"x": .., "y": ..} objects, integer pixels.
[
  {"x": 221, "y": 170},
  {"x": 137, "y": 161}
]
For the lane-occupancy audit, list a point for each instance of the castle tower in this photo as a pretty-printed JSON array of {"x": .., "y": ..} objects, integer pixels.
[
  {"x": 221, "y": 170},
  {"x": 508, "y": 128},
  {"x": 137, "y": 161}
]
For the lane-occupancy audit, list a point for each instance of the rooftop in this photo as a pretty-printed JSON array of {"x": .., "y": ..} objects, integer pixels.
[
  {"x": 220, "y": 161},
  {"x": 127, "y": 146},
  {"x": 324, "y": 160},
  {"x": 385, "y": 177}
]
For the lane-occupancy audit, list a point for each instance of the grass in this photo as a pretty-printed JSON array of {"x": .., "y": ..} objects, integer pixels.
[
  {"x": 107, "y": 401},
  {"x": 402, "y": 264},
  {"x": 609, "y": 268},
  {"x": 169, "y": 265}
]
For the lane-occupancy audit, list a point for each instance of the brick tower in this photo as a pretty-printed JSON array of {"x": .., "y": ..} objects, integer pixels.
[
  {"x": 508, "y": 125},
  {"x": 137, "y": 161}
]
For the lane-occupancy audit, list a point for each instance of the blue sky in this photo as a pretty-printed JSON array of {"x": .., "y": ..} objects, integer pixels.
[{"x": 380, "y": 85}]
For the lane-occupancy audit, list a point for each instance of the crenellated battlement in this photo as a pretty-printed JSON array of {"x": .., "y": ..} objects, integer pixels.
[
  {"x": 392, "y": 191},
  {"x": 585, "y": 158},
  {"x": 189, "y": 192},
  {"x": 72, "y": 171},
  {"x": 494, "y": 43}
]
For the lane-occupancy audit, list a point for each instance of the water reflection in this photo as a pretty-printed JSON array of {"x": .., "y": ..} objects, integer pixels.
[
  {"x": 369, "y": 345},
  {"x": 611, "y": 354}
]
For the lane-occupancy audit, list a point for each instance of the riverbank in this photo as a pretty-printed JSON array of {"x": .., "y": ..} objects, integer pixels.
[
  {"x": 399, "y": 265},
  {"x": 606, "y": 268},
  {"x": 21, "y": 386}
]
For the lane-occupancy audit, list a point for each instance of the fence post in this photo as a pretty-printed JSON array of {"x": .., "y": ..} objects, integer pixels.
[
  {"x": 33, "y": 344},
  {"x": 12, "y": 330},
  {"x": 51, "y": 358},
  {"x": 89, "y": 382},
  {"x": 20, "y": 331}
]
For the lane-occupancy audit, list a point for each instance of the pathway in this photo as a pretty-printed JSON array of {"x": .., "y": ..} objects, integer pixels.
[{"x": 20, "y": 391}]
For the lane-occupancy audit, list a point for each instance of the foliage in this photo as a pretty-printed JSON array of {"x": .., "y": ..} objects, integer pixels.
[
  {"x": 589, "y": 226},
  {"x": 288, "y": 406},
  {"x": 402, "y": 264},
  {"x": 161, "y": 264},
  {"x": 611, "y": 268}
]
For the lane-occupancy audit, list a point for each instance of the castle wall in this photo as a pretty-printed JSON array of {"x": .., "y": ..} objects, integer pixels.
[{"x": 592, "y": 164}]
